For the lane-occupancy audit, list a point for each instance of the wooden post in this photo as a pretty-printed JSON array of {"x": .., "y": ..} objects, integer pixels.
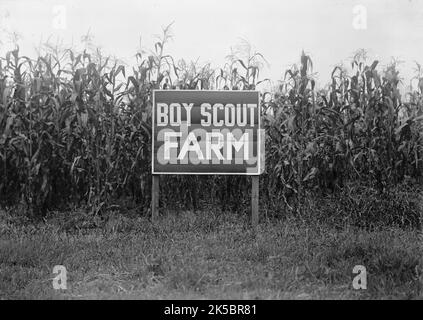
[
  {"x": 155, "y": 193},
  {"x": 255, "y": 200}
]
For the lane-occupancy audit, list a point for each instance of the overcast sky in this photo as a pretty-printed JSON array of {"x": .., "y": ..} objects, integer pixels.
[{"x": 207, "y": 29}]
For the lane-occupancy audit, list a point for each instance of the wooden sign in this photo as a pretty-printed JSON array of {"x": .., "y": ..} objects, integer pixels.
[
  {"x": 209, "y": 133},
  {"x": 206, "y": 132}
]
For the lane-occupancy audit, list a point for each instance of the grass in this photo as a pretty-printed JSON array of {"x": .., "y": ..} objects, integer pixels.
[{"x": 205, "y": 255}]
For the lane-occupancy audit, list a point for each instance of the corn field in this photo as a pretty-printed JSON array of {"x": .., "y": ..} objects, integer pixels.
[{"x": 75, "y": 130}]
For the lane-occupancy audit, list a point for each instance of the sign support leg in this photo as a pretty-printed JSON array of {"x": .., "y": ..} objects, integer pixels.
[
  {"x": 255, "y": 200},
  {"x": 155, "y": 192}
]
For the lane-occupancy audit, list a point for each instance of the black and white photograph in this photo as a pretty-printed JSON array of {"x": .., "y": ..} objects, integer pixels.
[{"x": 231, "y": 152}]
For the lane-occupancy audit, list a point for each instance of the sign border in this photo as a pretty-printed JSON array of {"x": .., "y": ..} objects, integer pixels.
[{"x": 208, "y": 173}]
